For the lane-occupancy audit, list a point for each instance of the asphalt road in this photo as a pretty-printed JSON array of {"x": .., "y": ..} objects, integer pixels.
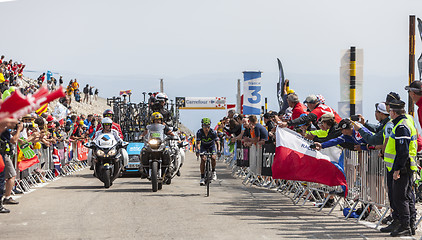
[{"x": 78, "y": 207}]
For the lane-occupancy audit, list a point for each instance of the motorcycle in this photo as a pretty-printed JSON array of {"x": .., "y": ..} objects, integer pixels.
[
  {"x": 108, "y": 157},
  {"x": 157, "y": 157}
]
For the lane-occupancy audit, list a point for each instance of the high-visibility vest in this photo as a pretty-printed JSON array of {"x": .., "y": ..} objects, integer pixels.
[
  {"x": 319, "y": 133},
  {"x": 390, "y": 148}
]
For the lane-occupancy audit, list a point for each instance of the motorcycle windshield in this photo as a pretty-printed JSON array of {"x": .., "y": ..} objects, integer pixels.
[
  {"x": 105, "y": 140},
  {"x": 156, "y": 131}
]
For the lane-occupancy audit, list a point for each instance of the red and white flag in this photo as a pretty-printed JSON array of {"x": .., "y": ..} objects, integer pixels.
[{"x": 295, "y": 160}]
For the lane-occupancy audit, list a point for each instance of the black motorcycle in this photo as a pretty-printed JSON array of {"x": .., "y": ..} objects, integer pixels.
[
  {"x": 107, "y": 157},
  {"x": 156, "y": 157}
]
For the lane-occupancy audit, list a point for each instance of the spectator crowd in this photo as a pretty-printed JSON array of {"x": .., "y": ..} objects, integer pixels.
[{"x": 23, "y": 139}]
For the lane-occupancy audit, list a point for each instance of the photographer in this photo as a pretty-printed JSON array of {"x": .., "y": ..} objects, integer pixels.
[{"x": 6, "y": 150}]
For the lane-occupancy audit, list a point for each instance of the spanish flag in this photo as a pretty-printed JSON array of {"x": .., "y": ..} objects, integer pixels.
[{"x": 42, "y": 109}]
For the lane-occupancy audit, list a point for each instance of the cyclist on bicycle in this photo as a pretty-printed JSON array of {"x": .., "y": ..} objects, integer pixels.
[{"x": 206, "y": 138}]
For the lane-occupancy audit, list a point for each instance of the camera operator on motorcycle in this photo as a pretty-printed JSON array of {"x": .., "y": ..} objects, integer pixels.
[
  {"x": 206, "y": 138},
  {"x": 160, "y": 106},
  {"x": 115, "y": 126}
]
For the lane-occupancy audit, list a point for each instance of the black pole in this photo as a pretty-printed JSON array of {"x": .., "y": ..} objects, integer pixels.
[{"x": 352, "y": 81}]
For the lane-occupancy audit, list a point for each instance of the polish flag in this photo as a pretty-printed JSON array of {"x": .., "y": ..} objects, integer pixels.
[{"x": 295, "y": 160}]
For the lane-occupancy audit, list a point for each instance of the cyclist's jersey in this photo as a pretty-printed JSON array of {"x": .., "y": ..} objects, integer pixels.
[{"x": 207, "y": 141}]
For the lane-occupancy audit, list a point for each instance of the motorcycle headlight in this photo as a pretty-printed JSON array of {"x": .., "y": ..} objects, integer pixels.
[
  {"x": 100, "y": 153},
  {"x": 154, "y": 143},
  {"x": 112, "y": 152}
]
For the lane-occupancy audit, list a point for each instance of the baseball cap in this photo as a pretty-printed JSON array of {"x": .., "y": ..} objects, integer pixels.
[
  {"x": 381, "y": 107},
  {"x": 311, "y": 99},
  {"x": 327, "y": 116},
  {"x": 397, "y": 104},
  {"x": 415, "y": 86},
  {"x": 345, "y": 124}
]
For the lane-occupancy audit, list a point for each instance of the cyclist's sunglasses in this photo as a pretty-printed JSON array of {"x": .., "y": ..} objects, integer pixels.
[
  {"x": 107, "y": 124},
  {"x": 108, "y": 115},
  {"x": 206, "y": 126}
]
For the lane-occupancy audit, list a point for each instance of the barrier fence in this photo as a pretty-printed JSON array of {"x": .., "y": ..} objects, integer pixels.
[
  {"x": 365, "y": 174},
  {"x": 68, "y": 160}
]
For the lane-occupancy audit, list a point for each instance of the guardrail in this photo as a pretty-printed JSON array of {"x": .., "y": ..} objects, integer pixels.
[
  {"x": 365, "y": 175},
  {"x": 46, "y": 170}
]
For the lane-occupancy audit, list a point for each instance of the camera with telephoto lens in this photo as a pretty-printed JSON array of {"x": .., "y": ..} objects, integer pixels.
[{"x": 355, "y": 118}]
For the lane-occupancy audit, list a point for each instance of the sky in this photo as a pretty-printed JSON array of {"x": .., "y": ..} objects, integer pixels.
[{"x": 201, "y": 48}]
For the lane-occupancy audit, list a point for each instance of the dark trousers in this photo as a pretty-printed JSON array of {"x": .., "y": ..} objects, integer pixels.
[{"x": 403, "y": 198}]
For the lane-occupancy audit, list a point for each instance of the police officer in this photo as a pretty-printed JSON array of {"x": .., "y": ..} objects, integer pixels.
[{"x": 399, "y": 156}]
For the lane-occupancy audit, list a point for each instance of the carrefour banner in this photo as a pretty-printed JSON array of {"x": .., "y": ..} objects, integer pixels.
[
  {"x": 201, "y": 102},
  {"x": 252, "y": 93}
]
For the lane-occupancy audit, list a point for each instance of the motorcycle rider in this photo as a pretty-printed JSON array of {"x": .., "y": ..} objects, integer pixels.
[
  {"x": 159, "y": 106},
  {"x": 107, "y": 128},
  {"x": 206, "y": 138},
  {"x": 157, "y": 118},
  {"x": 108, "y": 113}
]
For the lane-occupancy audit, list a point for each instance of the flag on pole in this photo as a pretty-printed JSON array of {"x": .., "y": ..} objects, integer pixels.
[
  {"x": 295, "y": 160},
  {"x": 56, "y": 160}
]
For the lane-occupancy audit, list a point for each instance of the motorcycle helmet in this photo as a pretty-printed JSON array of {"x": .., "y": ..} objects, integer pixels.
[
  {"x": 106, "y": 121},
  {"x": 108, "y": 113},
  {"x": 206, "y": 121},
  {"x": 156, "y": 116},
  {"x": 161, "y": 97}
]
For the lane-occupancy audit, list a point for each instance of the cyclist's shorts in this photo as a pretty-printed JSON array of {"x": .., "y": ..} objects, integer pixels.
[{"x": 212, "y": 149}]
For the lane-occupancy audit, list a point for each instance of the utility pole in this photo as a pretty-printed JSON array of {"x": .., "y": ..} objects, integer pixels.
[
  {"x": 411, "y": 59},
  {"x": 161, "y": 85},
  {"x": 238, "y": 107}
]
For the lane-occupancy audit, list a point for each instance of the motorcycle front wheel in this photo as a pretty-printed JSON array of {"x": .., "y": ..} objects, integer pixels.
[
  {"x": 107, "y": 178},
  {"x": 154, "y": 176}
]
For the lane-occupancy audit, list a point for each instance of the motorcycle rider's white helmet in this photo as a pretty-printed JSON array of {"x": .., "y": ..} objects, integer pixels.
[
  {"x": 106, "y": 120},
  {"x": 161, "y": 97}
]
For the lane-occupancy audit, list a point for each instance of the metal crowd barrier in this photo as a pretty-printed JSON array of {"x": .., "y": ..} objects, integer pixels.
[
  {"x": 365, "y": 175},
  {"x": 45, "y": 171}
]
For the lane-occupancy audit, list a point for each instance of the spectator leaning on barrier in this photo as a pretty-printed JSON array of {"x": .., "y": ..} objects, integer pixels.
[
  {"x": 400, "y": 154},
  {"x": 258, "y": 132},
  {"x": 382, "y": 130},
  {"x": 317, "y": 110},
  {"x": 348, "y": 135}
]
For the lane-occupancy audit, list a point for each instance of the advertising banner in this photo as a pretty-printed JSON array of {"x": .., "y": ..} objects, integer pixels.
[
  {"x": 252, "y": 93},
  {"x": 201, "y": 102},
  {"x": 82, "y": 151}
]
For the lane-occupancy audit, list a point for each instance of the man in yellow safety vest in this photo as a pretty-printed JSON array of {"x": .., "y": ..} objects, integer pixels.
[{"x": 399, "y": 157}]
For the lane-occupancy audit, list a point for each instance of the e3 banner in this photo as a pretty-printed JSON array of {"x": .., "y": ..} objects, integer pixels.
[{"x": 252, "y": 93}]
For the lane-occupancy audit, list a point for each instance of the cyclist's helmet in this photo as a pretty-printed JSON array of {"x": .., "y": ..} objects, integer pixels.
[
  {"x": 156, "y": 116},
  {"x": 108, "y": 113},
  {"x": 106, "y": 121},
  {"x": 206, "y": 121},
  {"x": 161, "y": 97}
]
